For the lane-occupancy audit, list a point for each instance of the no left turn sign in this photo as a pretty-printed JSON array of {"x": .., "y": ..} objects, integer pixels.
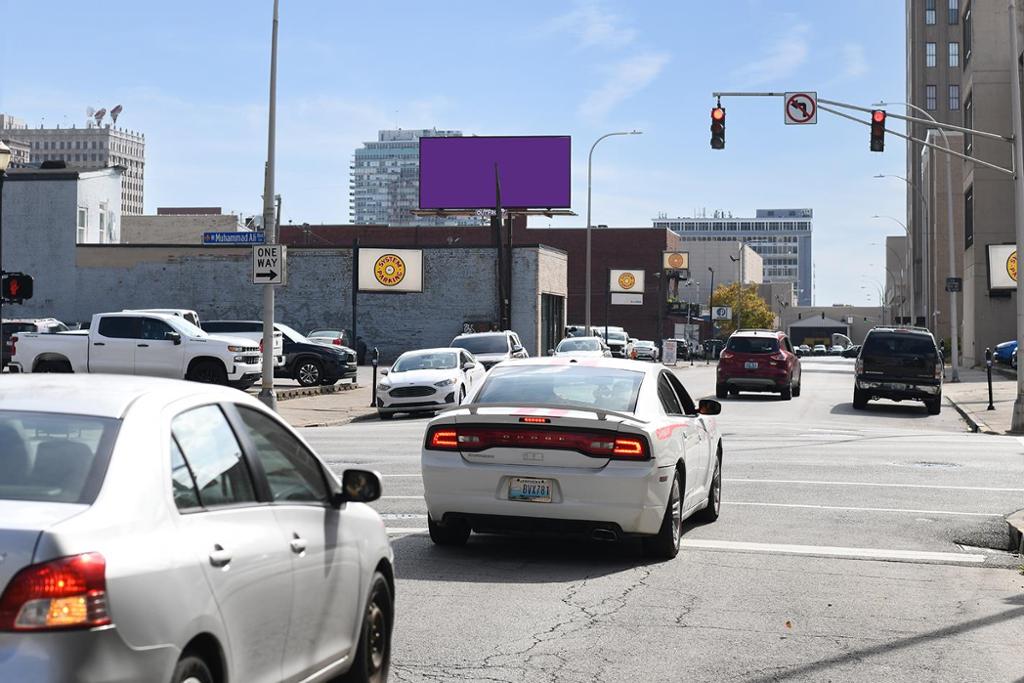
[{"x": 801, "y": 108}]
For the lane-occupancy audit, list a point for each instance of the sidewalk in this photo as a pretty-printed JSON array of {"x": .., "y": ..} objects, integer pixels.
[
  {"x": 327, "y": 410},
  {"x": 970, "y": 398}
]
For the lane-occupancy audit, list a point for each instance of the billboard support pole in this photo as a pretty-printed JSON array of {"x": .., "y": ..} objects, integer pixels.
[
  {"x": 508, "y": 274},
  {"x": 355, "y": 292},
  {"x": 499, "y": 249}
]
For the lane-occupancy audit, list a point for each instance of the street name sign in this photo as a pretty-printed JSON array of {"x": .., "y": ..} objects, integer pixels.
[
  {"x": 801, "y": 108},
  {"x": 234, "y": 238},
  {"x": 269, "y": 264}
]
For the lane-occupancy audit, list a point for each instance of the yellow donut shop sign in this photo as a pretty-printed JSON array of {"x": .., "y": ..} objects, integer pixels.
[
  {"x": 629, "y": 281},
  {"x": 390, "y": 270},
  {"x": 1002, "y": 267}
]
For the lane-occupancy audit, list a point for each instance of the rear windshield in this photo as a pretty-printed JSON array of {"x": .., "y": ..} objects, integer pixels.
[
  {"x": 899, "y": 344},
  {"x": 487, "y": 343},
  {"x": 565, "y": 385},
  {"x": 753, "y": 344},
  {"x": 616, "y": 336},
  {"x": 52, "y": 457},
  {"x": 578, "y": 345}
]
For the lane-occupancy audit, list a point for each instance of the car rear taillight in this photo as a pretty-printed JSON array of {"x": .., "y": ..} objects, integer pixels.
[
  {"x": 938, "y": 370},
  {"x": 859, "y": 367},
  {"x": 726, "y": 355},
  {"x": 336, "y": 342},
  {"x": 67, "y": 593},
  {"x": 596, "y": 444}
]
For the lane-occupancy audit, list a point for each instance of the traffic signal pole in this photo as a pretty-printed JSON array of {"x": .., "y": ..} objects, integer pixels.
[{"x": 267, "y": 393}]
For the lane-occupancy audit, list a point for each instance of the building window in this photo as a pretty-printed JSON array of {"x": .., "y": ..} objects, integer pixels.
[
  {"x": 929, "y": 12},
  {"x": 968, "y": 123},
  {"x": 969, "y": 217},
  {"x": 929, "y": 97},
  {"x": 954, "y": 97},
  {"x": 83, "y": 224},
  {"x": 954, "y": 55},
  {"x": 967, "y": 34},
  {"x": 954, "y": 12},
  {"x": 929, "y": 54}
]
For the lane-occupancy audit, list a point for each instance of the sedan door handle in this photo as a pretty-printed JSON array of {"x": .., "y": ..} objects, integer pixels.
[
  {"x": 219, "y": 557},
  {"x": 98, "y": 344},
  {"x": 298, "y": 545},
  {"x": 143, "y": 346}
]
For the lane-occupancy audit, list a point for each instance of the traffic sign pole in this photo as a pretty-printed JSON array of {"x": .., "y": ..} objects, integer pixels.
[{"x": 267, "y": 394}]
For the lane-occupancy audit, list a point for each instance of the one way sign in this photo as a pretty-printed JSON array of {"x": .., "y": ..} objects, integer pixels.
[{"x": 269, "y": 264}]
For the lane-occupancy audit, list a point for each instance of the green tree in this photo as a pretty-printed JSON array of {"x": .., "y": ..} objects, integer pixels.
[{"x": 748, "y": 309}]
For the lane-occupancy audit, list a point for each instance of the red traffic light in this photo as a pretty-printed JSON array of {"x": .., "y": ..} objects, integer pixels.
[
  {"x": 718, "y": 128},
  {"x": 878, "y": 116},
  {"x": 718, "y": 113},
  {"x": 877, "y": 130}
]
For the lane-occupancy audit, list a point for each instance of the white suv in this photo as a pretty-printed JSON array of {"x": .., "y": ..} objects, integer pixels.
[{"x": 490, "y": 348}]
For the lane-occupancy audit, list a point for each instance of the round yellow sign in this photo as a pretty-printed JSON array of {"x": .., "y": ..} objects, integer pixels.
[
  {"x": 627, "y": 280},
  {"x": 1011, "y": 266},
  {"x": 389, "y": 270},
  {"x": 676, "y": 260}
]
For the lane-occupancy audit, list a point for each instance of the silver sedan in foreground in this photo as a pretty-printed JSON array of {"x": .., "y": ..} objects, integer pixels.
[{"x": 156, "y": 530}]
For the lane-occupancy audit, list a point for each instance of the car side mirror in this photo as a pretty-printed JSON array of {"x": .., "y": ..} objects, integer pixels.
[
  {"x": 551, "y": 352},
  {"x": 517, "y": 349},
  {"x": 384, "y": 371},
  {"x": 357, "y": 486},
  {"x": 173, "y": 336},
  {"x": 709, "y": 406},
  {"x": 468, "y": 365}
]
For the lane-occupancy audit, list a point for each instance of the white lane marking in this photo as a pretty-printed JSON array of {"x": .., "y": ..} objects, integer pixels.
[
  {"x": 395, "y": 531},
  {"x": 856, "y": 509},
  {"x": 833, "y": 551},
  {"x": 869, "y": 483}
]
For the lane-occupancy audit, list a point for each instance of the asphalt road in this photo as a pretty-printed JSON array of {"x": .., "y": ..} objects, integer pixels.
[{"x": 852, "y": 546}]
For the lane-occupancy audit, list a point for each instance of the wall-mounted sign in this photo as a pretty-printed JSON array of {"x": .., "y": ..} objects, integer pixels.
[
  {"x": 954, "y": 284},
  {"x": 627, "y": 281},
  {"x": 627, "y": 299},
  {"x": 390, "y": 270},
  {"x": 721, "y": 313},
  {"x": 1002, "y": 266},
  {"x": 676, "y": 260}
]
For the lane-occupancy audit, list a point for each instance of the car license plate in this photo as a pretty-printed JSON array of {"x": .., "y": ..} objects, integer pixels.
[
  {"x": 750, "y": 365},
  {"x": 532, "y": 490}
]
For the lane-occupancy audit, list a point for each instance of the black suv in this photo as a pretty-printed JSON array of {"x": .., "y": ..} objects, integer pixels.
[{"x": 899, "y": 364}]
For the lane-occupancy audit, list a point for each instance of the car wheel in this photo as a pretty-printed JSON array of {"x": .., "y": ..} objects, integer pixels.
[
  {"x": 308, "y": 372},
  {"x": 208, "y": 372},
  {"x": 721, "y": 391},
  {"x": 665, "y": 545},
  {"x": 787, "y": 392},
  {"x": 191, "y": 669},
  {"x": 710, "y": 513},
  {"x": 934, "y": 406},
  {"x": 373, "y": 656},
  {"x": 1013, "y": 361},
  {"x": 454, "y": 532},
  {"x": 860, "y": 399},
  {"x": 797, "y": 388}
]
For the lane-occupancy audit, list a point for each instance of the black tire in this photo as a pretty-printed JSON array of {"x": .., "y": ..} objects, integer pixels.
[
  {"x": 373, "y": 654},
  {"x": 454, "y": 532},
  {"x": 721, "y": 391},
  {"x": 61, "y": 366},
  {"x": 309, "y": 372},
  {"x": 665, "y": 545},
  {"x": 191, "y": 668},
  {"x": 386, "y": 416},
  {"x": 208, "y": 372},
  {"x": 934, "y": 406},
  {"x": 860, "y": 400},
  {"x": 710, "y": 513},
  {"x": 797, "y": 388},
  {"x": 787, "y": 393}
]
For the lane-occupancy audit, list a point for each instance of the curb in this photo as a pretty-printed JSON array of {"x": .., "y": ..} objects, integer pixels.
[
  {"x": 305, "y": 392},
  {"x": 1015, "y": 526},
  {"x": 361, "y": 417},
  {"x": 973, "y": 421}
]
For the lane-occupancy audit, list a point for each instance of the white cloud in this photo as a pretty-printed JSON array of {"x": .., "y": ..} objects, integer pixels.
[
  {"x": 593, "y": 25},
  {"x": 855, "y": 62},
  {"x": 786, "y": 55},
  {"x": 625, "y": 79}
]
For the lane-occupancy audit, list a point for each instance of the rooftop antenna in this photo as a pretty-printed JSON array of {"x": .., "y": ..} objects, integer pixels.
[
  {"x": 99, "y": 116},
  {"x": 115, "y": 112},
  {"x": 89, "y": 113}
]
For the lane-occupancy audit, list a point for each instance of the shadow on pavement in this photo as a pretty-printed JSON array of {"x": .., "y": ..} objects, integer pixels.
[{"x": 911, "y": 409}]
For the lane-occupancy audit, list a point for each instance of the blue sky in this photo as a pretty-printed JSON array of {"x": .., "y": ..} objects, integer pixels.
[{"x": 193, "y": 77}]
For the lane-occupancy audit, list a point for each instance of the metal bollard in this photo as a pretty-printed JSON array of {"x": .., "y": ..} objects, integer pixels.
[
  {"x": 988, "y": 371},
  {"x": 374, "y": 362}
]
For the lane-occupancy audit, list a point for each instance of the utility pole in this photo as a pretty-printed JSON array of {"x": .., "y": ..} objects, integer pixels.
[
  {"x": 1017, "y": 423},
  {"x": 267, "y": 394}
]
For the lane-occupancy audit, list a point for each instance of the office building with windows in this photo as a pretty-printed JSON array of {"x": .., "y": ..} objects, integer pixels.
[
  {"x": 384, "y": 181},
  {"x": 90, "y": 147},
  {"x": 781, "y": 237}
]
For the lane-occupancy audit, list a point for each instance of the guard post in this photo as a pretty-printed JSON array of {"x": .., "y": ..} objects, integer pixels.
[
  {"x": 988, "y": 371},
  {"x": 375, "y": 361}
]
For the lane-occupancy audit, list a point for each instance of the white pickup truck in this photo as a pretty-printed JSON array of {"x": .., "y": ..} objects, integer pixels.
[{"x": 138, "y": 343}]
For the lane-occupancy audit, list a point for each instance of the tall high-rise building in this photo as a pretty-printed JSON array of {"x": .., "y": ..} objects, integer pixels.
[
  {"x": 936, "y": 53},
  {"x": 385, "y": 176},
  {"x": 782, "y": 237},
  {"x": 93, "y": 146}
]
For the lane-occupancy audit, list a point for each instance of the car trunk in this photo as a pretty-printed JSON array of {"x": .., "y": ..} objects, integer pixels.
[
  {"x": 751, "y": 355},
  {"x": 21, "y": 523},
  {"x": 899, "y": 357}
]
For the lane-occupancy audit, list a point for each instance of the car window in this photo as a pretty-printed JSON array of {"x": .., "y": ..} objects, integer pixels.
[
  {"x": 668, "y": 397},
  {"x": 752, "y": 345},
  {"x": 183, "y": 484},
  {"x": 214, "y": 456},
  {"x": 689, "y": 407},
  {"x": 563, "y": 385},
  {"x": 483, "y": 343},
  {"x": 120, "y": 327},
  {"x": 293, "y": 473},
  {"x": 151, "y": 328},
  {"x": 899, "y": 344}
]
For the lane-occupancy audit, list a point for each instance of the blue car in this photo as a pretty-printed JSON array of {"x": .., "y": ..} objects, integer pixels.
[{"x": 1003, "y": 353}]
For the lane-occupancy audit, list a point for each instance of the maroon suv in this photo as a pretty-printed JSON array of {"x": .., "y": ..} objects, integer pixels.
[{"x": 758, "y": 360}]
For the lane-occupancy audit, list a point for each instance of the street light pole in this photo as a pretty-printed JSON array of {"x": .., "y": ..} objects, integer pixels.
[
  {"x": 926, "y": 242},
  {"x": 1017, "y": 422},
  {"x": 267, "y": 393},
  {"x": 5, "y": 161},
  {"x": 910, "y": 255},
  {"x": 590, "y": 167}
]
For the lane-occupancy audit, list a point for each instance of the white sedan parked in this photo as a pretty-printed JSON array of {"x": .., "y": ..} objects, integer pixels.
[
  {"x": 603, "y": 447},
  {"x": 582, "y": 347},
  {"x": 158, "y": 530},
  {"x": 427, "y": 380}
]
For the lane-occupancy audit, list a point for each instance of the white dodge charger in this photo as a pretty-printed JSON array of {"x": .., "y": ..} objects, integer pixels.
[{"x": 607, "y": 448}]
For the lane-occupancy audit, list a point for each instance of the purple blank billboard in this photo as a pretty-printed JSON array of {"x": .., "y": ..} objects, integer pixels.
[{"x": 458, "y": 173}]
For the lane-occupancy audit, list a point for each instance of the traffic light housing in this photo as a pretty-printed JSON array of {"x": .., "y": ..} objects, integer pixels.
[
  {"x": 718, "y": 128},
  {"x": 16, "y": 287},
  {"x": 878, "y": 130}
]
